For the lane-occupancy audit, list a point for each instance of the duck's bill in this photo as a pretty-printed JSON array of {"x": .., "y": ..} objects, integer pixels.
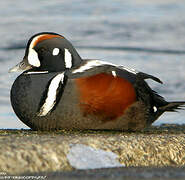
[{"x": 22, "y": 66}]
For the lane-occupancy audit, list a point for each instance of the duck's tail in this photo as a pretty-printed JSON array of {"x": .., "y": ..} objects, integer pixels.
[
  {"x": 168, "y": 107},
  {"x": 164, "y": 106},
  {"x": 173, "y": 106}
]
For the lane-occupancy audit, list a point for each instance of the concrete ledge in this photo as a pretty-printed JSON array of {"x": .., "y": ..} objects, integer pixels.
[
  {"x": 26, "y": 151},
  {"x": 126, "y": 173}
]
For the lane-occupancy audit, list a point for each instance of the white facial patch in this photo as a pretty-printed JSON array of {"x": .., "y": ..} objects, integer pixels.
[
  {"x": 33, "y": 58},
  {"x": 32, "y": 54},
  {"x": 51, "y": 95},
  {"x": 55, "y": 51},
  {"x": 68, "y": 58}
]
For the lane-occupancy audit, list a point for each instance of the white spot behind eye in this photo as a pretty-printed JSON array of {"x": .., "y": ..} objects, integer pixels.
[
  {"x": 68, "y": 59},
  {"x": 33, "y": 58},
  {"x": 56, "y": 51}
]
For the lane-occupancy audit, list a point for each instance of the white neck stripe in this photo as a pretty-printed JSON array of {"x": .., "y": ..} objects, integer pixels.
[
  {"x": 37, "y": 72},
  {"x": 68, "y": 58}
]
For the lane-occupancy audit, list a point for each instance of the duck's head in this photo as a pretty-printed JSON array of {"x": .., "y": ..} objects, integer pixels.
[{"x": 50, "y": 52}]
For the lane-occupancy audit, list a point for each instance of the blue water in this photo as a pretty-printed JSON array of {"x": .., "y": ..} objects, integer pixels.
[{"x": 145, "y": 35}]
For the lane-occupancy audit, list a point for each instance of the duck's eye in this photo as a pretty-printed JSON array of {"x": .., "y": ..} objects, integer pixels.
[
  {"x": 56, "y": 51},
  {"x": 41, "y": 50}
]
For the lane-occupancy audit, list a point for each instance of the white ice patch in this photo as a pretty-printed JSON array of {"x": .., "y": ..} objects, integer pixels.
[
  {"x": 33, "y": 58},
  {"x": 68, "y": 59},
  {"x": 85, "y": 157},
  {"x": 55, "y": 51},
  {"x": 51, "y": 95}
]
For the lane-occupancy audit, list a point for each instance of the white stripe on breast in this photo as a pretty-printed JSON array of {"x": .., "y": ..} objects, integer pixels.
[{"x": 51, "y": 95}]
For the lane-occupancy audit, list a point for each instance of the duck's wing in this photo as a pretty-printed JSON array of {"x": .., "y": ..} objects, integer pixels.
[
  {"x": 135, "y": 79},
  {"x": 94, "y": 67}
]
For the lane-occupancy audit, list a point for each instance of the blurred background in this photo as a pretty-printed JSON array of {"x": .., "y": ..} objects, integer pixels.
[{"x": 141, "y": 34}]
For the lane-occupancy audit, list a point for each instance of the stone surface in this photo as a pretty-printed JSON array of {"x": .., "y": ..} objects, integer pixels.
[{"x": 26, "y": 151}]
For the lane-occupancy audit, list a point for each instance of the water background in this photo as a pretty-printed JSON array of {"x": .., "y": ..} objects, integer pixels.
[{"x": 146, "y": 35}]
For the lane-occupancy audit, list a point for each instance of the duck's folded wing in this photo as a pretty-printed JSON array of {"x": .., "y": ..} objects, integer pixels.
[{"x": 94, "y": 67}]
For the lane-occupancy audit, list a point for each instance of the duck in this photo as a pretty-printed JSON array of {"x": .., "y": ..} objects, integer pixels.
[{"x": 57, "y": 89}]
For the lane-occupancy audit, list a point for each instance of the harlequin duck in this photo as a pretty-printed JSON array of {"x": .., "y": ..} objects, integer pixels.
[{"x": 60, "y": 90}]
